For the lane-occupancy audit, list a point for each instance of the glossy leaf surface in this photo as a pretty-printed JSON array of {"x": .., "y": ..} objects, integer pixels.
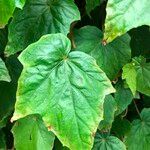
[
  {"x": 73, "y": 89},
  {"x": 124, "y": 15}
]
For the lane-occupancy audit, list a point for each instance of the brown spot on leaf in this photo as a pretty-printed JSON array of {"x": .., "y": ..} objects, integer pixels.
[{"x": 49, "y": 128}]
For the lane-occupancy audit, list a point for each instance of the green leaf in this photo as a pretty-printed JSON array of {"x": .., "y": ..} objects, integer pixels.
[
  {"x": 30, "y": 133},
  {"x": 106, "y": 142},
  {"x": 110, "y": 57},
  {"x": 137, "y": 76},
  {"x": 40, "y": 17},
  {"x": 110, "y": 106},
  {"x": 7, "y": 8},
  {"x": 140, "y": 41},
  {"x": 91, "y": 4},
  {"x": 2, "y": 141},
  {"x": 121, "y": 127},
  {"x": 123, "y": 97},
  {"x": 129, "y": 73},
  {"x": 66, "y": 89},
  {"x": 139, "y": 136},
  {"x": 4, "y": 75},
  {"x": 124, "y": 15}
]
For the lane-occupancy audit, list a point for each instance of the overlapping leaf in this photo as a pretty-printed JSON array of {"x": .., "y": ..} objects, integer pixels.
[
  {"x": 106, "y": 142},
  {"x": 124, "y": 15},
  {"x": 110, "y": 106},
  {"x": 137, "y": 75},
  {"x": 8, "y": 90},
  {"x": 121, "y": 127},
  {"x": 30, "y": 133},
  {"x": 7, "y": 8},
  {"x": 91, "y": 4},
  {"x": 140, "y": 41},
  {"x": 123, "y": 97},
  {"x": 4, "y": 75},
  {"x": 110, "y": 57},
  {"x": 2, "y": 141},
  {"x": 66, "y": 89},
  {"x": 40, "y": 17},
  {"x": 139, "y": 136}
]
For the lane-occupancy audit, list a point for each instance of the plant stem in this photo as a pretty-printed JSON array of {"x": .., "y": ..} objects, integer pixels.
[{"x": 137, "y": 109}]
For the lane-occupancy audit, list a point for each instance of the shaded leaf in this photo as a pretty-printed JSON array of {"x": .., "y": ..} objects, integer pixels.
[
  {"x": 40, "y": 17},
  {"x": 110, "y": 57},
  {"x": 123, "y": 97},
  {"x": 8, "y": 90},
  {"x": 4, "y": 75},
  {"x": 139, "y": 136},
  {"x": 73, "y": 89},
  {"x": 3, "y": 40},
  {"x": 140, "y": 41},
  {"x": 2, "y": 141},
  {"x": 91, "y": 4},
  {"x": 106, "y": 142},
  {"x": 110, "y": 106},
  {"x": 121, "y": 127}
]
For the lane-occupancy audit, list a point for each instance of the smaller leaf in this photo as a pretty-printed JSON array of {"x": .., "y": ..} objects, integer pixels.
[
  {"x": 129, "y": 73},
  {"x": 91, "y": 4},
  {"x": 137, "y": 76},
  {"x": 123, "y": 97},
  {"x": 139, "y": 136},
  {"x": 2, "y": 141},
  {"x": 110, "y": 106},
  {"x": 30, "y": 133},
  {"x": 4, "y": 75},
  {"x": 121, "y": 127},
  {"x": 106, "y": 142},
  {"x": 110, "y": 57}
]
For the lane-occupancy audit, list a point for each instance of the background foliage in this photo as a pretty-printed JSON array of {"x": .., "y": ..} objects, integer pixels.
[{"x": 74, "y": 74}]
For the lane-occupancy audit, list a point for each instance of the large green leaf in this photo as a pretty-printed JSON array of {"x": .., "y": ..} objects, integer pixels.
[
  {"x": 139, "y": 136},
  {"x": 106, "y": 142},
  {"x": 124, "y": 15},
  {"x": 110, "y": 57},
  {"x": 110, "y": 106},
  {"x": 66, "y": 89},
  {"x": 4, "y": 75},
  {"x": 123, "y": 97},
  {"x": 91, "y": 4},
  {"x": 30, "y": 133},
  {"x": 40, "y": 17},
  {"x": 7, "y": 8},
  {"x": 137, "y": 75}
]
